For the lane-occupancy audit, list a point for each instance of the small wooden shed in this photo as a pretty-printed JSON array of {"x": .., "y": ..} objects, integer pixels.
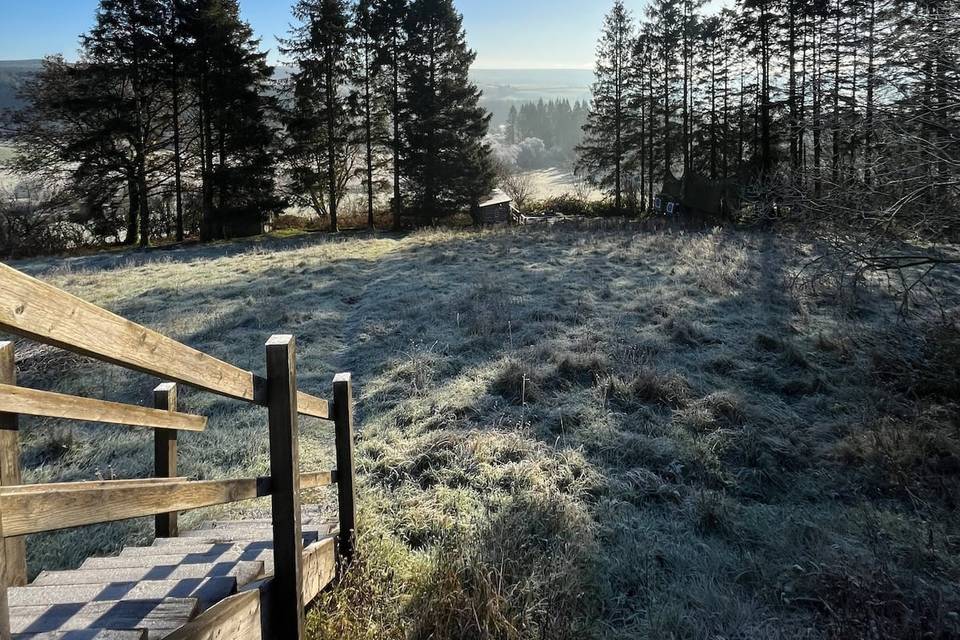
[{"x": 498, "y": 208}]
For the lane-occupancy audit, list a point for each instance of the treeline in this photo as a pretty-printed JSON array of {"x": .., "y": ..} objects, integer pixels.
[
  {"x": 171, "y": 123},
  {"x": 842, "y": 107},
  {"x": 558, "y": 123}
]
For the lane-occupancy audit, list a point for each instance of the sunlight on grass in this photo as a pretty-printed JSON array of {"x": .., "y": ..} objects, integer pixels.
[{"x": 562, "y": 432}]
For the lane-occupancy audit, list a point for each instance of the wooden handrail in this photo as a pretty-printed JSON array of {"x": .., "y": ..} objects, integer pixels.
[
  {"x": 30, "y": 509},
  {"x": 31, "y": 308},
  {"x": 32, "y": 402},
  {"x": 39, "y": 311}
]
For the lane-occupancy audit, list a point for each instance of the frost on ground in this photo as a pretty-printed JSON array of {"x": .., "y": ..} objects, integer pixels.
[{"x": 564, "y": 432}]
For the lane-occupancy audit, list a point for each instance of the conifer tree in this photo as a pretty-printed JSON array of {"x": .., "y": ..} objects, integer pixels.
[
  {"x": 229, "y": 76},
  {"x": 318, "y": 124},
  {"x": 602, "y": 154},
  {"x": 447, "y": 165},
  {"x": 367, "y": 101},
  {"x": 388, "y": 25},
  {"x": 125, "y": 50}
]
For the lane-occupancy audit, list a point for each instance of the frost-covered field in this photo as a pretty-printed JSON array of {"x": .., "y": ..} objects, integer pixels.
[{"x": 564, "y": 432}]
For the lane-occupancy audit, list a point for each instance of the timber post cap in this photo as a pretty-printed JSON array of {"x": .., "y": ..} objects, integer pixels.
[
  {"x": 280, "y": 340},
  {"x": 166, "y": 387},
  {"x": 341, "y": 377}
]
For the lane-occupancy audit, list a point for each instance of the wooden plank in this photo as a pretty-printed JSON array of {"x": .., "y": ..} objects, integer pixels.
[
  {"x": 42, "y": 312},
  {"x": 84, "y": 485},
  {"x": 317, "y": 479},
  {"x": 46, "y": 314},
  {"x": 244, "y": 572},
  {"x": 314, "y": 407},
  {"x": 207, "y": 591},
  {"x": 158, "y": 617},
  {"x": 57, "y": 405},
  {"x": 4, "y": 609},
  {"x": 85, "y": 634},
  {"x": 286, "y": 597},
  {"x": 203, "y": 548},
  {"x": 346, "y": 492},
  {"x": 125, "y": 562},
  {"x": 57, "y": 508},
  {"x": 165, "y": 456},
  {"x": 236, "y": 618},
  {"x": 15, "y": 567},
  {"x": 319, "y": 568}
]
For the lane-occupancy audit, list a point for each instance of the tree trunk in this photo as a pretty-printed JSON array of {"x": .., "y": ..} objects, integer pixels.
[
  {"x": 331, "y": 142},
  {"x": 397, "y": 203},
  {"x": 368, "y": 130},
  {"x": 177, "y": 163},
  {"x": 134, "y": 210},
  {"x": 871, "y": 84}
]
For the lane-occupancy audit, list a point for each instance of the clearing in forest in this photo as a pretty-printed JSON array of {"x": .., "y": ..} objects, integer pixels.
[{"x": 562, "y": 431}]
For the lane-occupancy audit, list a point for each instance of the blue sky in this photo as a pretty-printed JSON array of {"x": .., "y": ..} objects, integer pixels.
[{"x": 516, "y": 34}]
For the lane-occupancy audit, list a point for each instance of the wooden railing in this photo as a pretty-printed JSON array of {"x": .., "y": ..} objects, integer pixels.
[{"x": 45, "y": 314}]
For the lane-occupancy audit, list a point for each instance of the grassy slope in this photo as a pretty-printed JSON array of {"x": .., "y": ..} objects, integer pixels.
[{"x": 562, "y": 432}]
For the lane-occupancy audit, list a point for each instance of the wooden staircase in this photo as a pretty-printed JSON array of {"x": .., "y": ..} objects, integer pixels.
[
  {"x": 153, "y": 592},
  {"x": 242, "y": 580}
]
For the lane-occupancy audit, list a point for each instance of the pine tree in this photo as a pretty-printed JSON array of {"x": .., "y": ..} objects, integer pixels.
[
  {"x": 446, "y": 163},
  {"x": 125, "y": 49},
  {"x": 388, "y": 30},
  {"x": 512, "y": 125},
  {"x": 318, "y": 124},
  {"x": 367, "y": 102},
  {"x": 229, "y": 76},
  {"x": 602, "y": 155}
]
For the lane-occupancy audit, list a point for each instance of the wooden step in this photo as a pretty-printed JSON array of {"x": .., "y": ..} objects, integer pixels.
[
  {"x": 86, "y": 634},
  {"x": 244, "y": 572},
  {"x": 243, "y": 535},
  {"x": 158, "y": 617},
  {"x": 207, "y": 592},
  {"x": 124, "y": 562},
  {"x": 190, "y": 543},
  {"x": 161, "y": 548},
  {"x": 249, "y": 551}
]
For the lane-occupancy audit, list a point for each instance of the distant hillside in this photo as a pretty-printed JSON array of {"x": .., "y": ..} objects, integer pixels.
[
  {"x": 505, "y": 87},
  {"x": 13, "y": 73},
  {"x": 501, "y": 87}
]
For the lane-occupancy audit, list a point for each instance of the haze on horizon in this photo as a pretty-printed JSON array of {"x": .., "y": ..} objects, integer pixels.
[{"x": 506, "y": 34}]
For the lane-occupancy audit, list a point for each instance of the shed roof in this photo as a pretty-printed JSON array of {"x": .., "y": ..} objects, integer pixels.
[{"x": 495, "y": 198}]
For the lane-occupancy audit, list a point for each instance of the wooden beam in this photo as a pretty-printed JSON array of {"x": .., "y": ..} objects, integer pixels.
[
  {"x": 34, "y": 511},
  {"x": 346, "y": 492},
  {"x": 308, "y": 405},
  {"x": 165, "y": 456},
  {"x": 286, "y": 593},
  {"x": 317, "y": 479},
  {"x": 319, "y": 568},
  {"x": 44, "y": 313},
  {"x": 235, "y": 618},
  {"x": 57, "y": 405},
  {"x": 83, "y": 485},
  {"x": 15, "y": 568},
  {"x": 4, "y": 609},
  {"x": 41, "y": 312}
]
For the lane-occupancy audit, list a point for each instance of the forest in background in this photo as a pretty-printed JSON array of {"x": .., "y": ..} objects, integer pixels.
[
  {"x": 841, "y": 112},
  {"x": 172, "y": 124}
]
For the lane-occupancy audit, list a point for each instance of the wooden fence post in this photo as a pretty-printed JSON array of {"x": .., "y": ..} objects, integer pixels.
[
  {"x": 346, "y": 492},
  {"x": 4, "y": 609},
  {"x": 287, "y": 588},
  {"x": 165, "y": 455},
  {"x": 14, "y": 573}
]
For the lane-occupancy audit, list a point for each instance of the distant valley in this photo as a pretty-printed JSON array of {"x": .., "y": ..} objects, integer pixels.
[{"x": 501, "y": 87}]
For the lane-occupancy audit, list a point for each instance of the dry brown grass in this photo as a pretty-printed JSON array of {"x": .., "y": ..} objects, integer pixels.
[{"x": 566, "y": 432}]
